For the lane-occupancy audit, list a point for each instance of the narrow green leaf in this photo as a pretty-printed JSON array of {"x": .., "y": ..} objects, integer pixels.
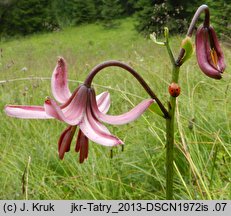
[{"x": 153, "y": 38}]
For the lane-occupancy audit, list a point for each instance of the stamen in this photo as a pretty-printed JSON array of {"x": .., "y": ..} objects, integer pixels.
[{"x": 214, "y": 57}]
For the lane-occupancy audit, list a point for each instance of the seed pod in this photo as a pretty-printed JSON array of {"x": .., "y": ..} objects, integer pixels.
[{"x": 174, "y": 89}]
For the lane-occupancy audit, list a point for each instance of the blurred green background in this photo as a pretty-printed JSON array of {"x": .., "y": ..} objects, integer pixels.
[{"x": 29, "y": 16}]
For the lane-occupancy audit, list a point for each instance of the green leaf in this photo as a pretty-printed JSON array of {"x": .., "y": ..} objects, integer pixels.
[
  {"x": 153, "y": 38},
  {"x": 156, "y": 109},
  {"x": 187, "y": 45}
]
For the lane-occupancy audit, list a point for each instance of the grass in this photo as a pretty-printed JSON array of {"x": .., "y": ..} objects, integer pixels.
[{"x": 203, "y": 142}]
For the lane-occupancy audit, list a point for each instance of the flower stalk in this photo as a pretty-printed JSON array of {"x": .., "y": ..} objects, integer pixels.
[
  {"x": 126, "y": 67},
  {"x": 170, "y": 129}
]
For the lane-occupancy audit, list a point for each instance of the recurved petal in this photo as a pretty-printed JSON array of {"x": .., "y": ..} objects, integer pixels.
[
  {"x": 123, "y": 118},
  {"x": 82, "y": 146},
  {"x": 97, "y": 132},
  {"x": 27, "y": 112},
  {"x": 73, "y": 113},
  {"x": 59, "y": 83},
  {"x": 203, "y": 54},
  {"x": 103, "y": 102},
  {"x": 65, "y": 140}
]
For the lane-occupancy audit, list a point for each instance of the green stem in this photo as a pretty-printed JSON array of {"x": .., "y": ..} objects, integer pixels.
[
  {"x": 170, "y": 127},
  {"x": 170, "y": 53},
  {"x": 169, "y": 156},
  {"x": 170, "y": 139}
]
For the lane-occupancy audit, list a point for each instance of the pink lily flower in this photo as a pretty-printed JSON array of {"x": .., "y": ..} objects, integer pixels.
[
  {"x": 210, "y": 57},
  {"x": 81, "y": 108}
]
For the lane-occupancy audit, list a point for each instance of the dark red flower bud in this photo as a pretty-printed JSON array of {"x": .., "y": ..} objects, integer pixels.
[
  {"x": 210, "y": 57},
  {"x": 174, "y": 89}
]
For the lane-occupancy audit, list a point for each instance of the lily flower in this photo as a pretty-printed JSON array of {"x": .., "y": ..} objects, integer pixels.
[
  {"x": 81, "y": 108},
  {"x": 210, "y": 57},
  {"x": 62, "y": 94}
]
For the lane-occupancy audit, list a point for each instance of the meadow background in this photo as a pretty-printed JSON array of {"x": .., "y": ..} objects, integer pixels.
[{"x": 203, "y": 120}]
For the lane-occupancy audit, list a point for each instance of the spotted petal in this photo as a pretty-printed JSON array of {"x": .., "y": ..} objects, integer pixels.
[
  {"x": 123, "y": 118},
  {"x": 59, "y": 84},
  {"x": 27, "y": 112},
  {"x": 72, "y": 113}
]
